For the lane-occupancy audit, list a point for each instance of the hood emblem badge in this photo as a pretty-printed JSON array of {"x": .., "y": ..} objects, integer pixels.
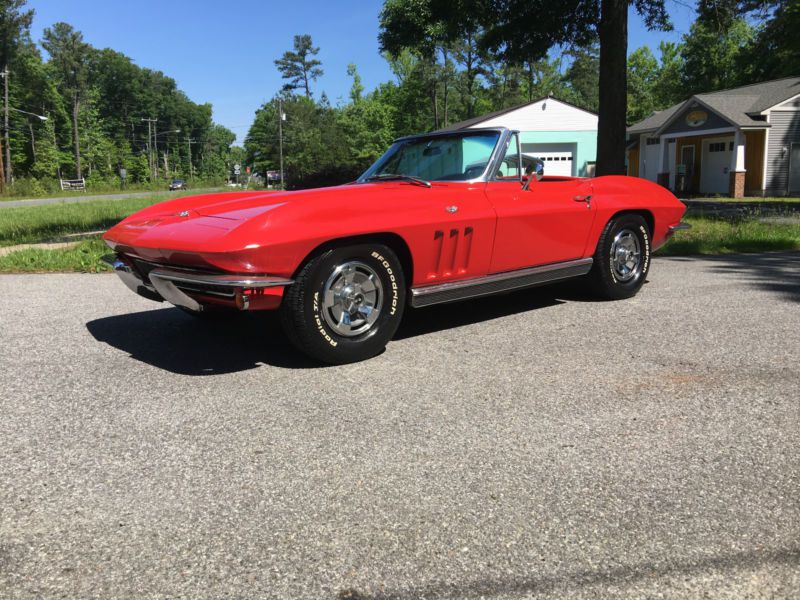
[{"x": 183, "y": 213}]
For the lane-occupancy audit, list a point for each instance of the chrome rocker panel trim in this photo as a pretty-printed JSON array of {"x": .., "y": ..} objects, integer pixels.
[{"x": 498, "y": 282}]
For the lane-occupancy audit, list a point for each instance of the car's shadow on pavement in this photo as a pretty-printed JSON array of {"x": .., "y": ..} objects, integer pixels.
[
  {"x": 423, "y": 321},
  {"x": 176, "y": 342}
]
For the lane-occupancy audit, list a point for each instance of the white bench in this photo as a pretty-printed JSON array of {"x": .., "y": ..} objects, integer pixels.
[{"x": 76, "y": 185}]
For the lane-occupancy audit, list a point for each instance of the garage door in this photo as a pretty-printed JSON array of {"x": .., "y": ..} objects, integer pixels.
[{"x": 555, "y": 163}]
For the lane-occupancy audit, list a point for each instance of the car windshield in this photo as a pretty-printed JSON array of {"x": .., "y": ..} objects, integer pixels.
[{"x": 458, "y": 157}]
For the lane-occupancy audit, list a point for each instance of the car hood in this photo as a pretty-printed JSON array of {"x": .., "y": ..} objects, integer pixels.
[
  {"x": 244, "y": 207},
  {"x": 215, "y": 223}
]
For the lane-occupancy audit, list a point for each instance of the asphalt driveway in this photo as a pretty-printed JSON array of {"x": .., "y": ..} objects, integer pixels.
[{"x": 530, "y": 445}]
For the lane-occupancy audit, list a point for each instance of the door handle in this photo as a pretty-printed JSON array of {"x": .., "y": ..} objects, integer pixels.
[
  {"x": 452, "y": 209},
  {"x": 587, "y": 199}
]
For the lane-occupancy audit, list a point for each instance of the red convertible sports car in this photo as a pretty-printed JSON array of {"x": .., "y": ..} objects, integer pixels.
[{"x": 439, "y": 217}]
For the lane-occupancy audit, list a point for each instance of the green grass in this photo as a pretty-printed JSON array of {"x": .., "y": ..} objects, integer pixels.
[
  {"x": 748, "y": 199},
  {"x": 724, "y": 236},
  {"x": 83, "y": 258},
  {"x": 31, "y": 224}
]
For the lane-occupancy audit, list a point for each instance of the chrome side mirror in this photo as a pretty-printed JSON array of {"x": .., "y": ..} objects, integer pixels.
[{"x": 535, "y": 169}]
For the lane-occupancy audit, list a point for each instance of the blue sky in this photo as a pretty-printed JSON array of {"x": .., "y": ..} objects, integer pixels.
[{"x": 223, "y": 52}]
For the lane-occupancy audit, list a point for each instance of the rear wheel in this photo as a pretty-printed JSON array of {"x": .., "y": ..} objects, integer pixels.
[
  {"x": 346, "y": 303},
  {"x": 622, "y": 258}
]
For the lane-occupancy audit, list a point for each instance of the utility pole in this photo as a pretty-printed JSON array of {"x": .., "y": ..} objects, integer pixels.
[
  {"x": 2, "y": 169},
  {"x": 8, "y": 173},
  {"x": 33, "y": 140},
  {"x": 150, "y": 123},
  {"x": 155, "y": 144},
  {"x": 191, "y": 168},
  {"x": 149, "y": 151},
  {"x": 281, "y": 118}
]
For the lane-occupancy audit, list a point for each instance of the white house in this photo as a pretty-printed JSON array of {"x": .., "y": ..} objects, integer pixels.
[{"x": 562, "y": 134}]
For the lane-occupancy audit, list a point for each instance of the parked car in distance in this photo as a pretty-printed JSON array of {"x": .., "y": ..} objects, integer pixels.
[
  {"x": 178, "y": 184},
  {"x": 438, "y": 218}
]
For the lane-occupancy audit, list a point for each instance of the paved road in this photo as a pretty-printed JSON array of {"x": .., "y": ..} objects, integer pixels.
[
  {"x": 533, "y": 445},
  {"x": 78, "y": 197}
]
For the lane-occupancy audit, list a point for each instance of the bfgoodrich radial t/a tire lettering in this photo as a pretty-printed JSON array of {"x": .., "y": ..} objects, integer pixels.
[
  {"x": 622, "y": 258},
  {"x": 346, "y": 303}
]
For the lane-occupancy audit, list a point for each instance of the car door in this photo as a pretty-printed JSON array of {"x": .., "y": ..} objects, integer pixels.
[
  {"x": 547, "y": 223},
  {"x": 451, "y": 231}
]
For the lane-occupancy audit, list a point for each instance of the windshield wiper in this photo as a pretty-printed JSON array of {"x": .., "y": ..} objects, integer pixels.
[{"x": 396, "y": 176}]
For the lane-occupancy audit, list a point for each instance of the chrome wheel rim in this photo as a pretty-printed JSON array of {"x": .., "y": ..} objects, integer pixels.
[
  {"x": 626, "y": 255},
  {"x": 352, "y": 298}
]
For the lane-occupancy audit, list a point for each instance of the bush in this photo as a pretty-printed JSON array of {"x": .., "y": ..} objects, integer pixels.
[{"x": 30, "y": 187}]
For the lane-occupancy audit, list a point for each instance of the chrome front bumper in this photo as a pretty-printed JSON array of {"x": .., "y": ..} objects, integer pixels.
[
  {"x": 175, "y": 286},
  {"x": 680, "y": 227}
]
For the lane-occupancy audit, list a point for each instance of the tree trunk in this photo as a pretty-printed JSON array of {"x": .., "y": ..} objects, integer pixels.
[
  {"x": 9, "y": 171},
  {"x": 613, "y": 87},
  {"x": 2, "y": 168},
  {"x": 33, "y": 142},
  {"x": 470, "y": 73},
  {"x": 75, "y": 137},
  {"x": 531, "y": 79},
  {"x": 445, "y": 82},
  {"x": 435, "y": 103}
]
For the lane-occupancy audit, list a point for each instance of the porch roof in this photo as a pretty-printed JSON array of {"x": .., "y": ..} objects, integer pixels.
[{"x": 741, "y": 106}]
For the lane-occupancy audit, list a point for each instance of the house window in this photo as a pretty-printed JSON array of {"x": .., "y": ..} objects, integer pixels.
[
  {"x": 653, "y": 141},
  {"x": 717, "y": 147}
]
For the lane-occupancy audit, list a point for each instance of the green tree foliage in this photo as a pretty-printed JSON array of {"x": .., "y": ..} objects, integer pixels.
[
  {"x": 322, "y": 145},
  {"x": 583, "y": 75},
  {"x": 368, "y": 128},
  {"x": 69, "y": 56},
  {"x": 14, "y": 31},
  {"x": 439, "y": 35},
  {"x": 408, "y": 96},
  {"x": 642, "y": 78},
  {"x": 298, "y": 66},
  {"x": 14, "y": 26},
  {"x": 668, "y": 87},
  {"x": 775, "y": 52},
  {"x": 47, "y": 159},
  {"x": 714, "y": 54},
  {"x": 94, "y": 101},
  {"x": 357, "y": 89}
]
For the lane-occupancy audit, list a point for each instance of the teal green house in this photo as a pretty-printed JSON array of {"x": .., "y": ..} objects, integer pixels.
[{"x": 560, "y": 133}]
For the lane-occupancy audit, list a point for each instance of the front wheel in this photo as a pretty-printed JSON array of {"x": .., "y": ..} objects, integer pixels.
[
  {"x": 346, "y": 303},
  {"x": 622, "y": 258}
]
